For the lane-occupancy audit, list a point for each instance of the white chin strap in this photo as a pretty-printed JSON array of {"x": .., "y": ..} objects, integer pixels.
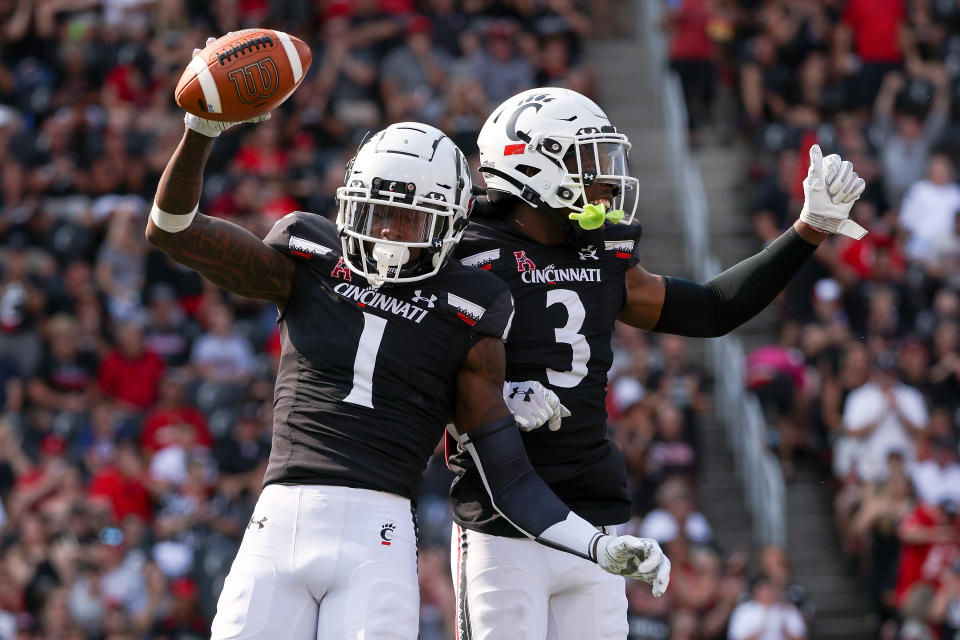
[{"x": 388, "y": 256}]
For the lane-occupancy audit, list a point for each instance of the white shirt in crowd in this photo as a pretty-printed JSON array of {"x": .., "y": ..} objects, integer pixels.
[
  {"x": 934, "y": 483},
  {"x": 660, "y": 525},
  {"x": 771, "y": 622},
  {"x": 866, "y": 405},
  {"x": 927, "y": 213},
  {"x": 228, "y": 358}
]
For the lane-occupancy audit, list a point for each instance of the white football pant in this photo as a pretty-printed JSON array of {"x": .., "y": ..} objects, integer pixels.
[
  {"x": 519, "y": 589},
  {"x": 324, "y": 563}
]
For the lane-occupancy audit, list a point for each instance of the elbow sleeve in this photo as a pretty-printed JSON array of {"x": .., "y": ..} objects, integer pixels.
[{"x": 521, "y": 496}]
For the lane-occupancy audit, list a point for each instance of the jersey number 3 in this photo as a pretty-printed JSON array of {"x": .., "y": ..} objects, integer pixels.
[
  {"x": 568, "y": 334},
  {"x": 362, "y": 391}
]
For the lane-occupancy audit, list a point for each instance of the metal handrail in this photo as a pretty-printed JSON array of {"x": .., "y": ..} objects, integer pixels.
[{"x": 739, "y": 411}]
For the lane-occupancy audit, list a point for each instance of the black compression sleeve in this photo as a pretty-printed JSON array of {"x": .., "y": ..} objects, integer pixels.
[
  {"x": 520, "y": 495},
  {"x": 718, "y": 306}
]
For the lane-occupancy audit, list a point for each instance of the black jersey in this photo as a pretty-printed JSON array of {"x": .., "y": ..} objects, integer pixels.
[
  {"x": 367, "y": 376},
  {"x": 567, "y": 300}
]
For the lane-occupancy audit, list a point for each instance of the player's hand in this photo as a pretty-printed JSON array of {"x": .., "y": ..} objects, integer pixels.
[
  {"x": 639, "y": 558},
  {"x": 830, "y": 189},
  {"x": 213, "y": 128},
  {"x": 533, "y": 405}
]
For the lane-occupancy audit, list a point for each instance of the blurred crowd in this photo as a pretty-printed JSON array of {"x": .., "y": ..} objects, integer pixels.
[
  {"x": 135, "y": 399},
  {"x": 865, "y": 376}
]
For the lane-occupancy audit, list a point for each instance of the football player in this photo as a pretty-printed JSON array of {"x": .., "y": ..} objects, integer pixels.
[
  {"x": 383, "y": 337},
  {"x": 557, "y": 226}
]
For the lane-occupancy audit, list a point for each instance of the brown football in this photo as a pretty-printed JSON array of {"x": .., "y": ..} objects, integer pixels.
[{"x": 243, "y": 74}]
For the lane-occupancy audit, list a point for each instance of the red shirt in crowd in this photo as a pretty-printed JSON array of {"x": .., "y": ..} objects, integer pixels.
[
  {"x": 261, "y": 161},
  {"x": 924, "y": 562},
  {"x": 860, "y": 255},
  {"x": 127, "y": 495},
  {"x": 690, "y": 40},
  {"x": 133, "y": 381},
  {"x": 876, "y": 28},
  {"x": 157, "y": 434}
]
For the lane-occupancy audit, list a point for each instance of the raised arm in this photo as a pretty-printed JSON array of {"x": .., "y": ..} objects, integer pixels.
[
  {"x": 487, "y": 430},
  {"x": 222, "y": 252},
  {"x": 713, "y": 308},
  {"x": 705, "y": 310}
]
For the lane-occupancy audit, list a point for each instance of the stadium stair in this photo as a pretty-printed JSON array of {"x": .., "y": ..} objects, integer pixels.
[{"x": 627, "y": 92}]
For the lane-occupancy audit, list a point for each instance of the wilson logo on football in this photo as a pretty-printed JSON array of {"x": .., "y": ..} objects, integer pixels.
[
  {"x": 466, "y": 310},
  {"x": 523, "y": 262},
  {"x": 256, "y": 81},
  {"x": 483, "y": 260}
]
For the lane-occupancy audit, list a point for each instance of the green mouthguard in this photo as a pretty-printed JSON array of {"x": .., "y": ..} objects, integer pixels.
[{"x": 594, "y": 215}]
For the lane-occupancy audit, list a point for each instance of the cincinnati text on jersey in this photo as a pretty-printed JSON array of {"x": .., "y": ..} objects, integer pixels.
[
  {"x": 366, "y": 297},
  {"x": 552, "y": 275}
]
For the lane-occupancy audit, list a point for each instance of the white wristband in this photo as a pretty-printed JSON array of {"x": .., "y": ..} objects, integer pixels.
[{"x": 169, "y": 222}]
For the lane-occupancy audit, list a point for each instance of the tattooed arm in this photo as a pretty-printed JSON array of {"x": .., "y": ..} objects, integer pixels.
[
  {"x": 222, "y": 252},
  {"x": 479, "y": 398}
]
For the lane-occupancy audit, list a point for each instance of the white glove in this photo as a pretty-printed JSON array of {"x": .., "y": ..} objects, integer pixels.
[
  {"x": 533, "y": 405},
  {"x": 213, "y": 128},
  {"x": 639, "y": 558},
  {"x": 830, "y": 189}
]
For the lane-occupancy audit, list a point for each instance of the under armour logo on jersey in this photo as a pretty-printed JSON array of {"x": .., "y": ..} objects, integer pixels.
[
  {"x": 342, "y": 271},
  {"x": 418, "y": 297},
  {"x": 589, "y": 253},
  {"x": 526, "y": 393},
  {"x": 386, "y": 533},
  {"x": 259, "y": 522},
  {"x": 523, "y": 262}
]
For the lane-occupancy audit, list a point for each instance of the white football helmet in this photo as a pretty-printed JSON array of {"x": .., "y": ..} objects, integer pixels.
[
  {"x": 404, "y": 204},
  {"x": 548, "y": 145}
]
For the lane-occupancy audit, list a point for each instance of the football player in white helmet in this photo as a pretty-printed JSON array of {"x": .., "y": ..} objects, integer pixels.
[
  {"x": 558, "y": 227},
  {"x": 393, "y": 232}
]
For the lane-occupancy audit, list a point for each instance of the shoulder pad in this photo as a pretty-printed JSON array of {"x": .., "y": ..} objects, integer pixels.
[
  {"x": 480, "y": 300},
  {"x": 305, "y": 236}
]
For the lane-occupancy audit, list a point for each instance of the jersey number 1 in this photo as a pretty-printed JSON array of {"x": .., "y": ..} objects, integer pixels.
[
  {"x": 568, "y": 333},
  {"x": 362, "y": 391}
]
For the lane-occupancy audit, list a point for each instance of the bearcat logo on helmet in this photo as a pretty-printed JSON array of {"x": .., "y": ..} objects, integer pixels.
[
  {"x": 256, "y": 81},
  {"x": 531, "y": 102}
]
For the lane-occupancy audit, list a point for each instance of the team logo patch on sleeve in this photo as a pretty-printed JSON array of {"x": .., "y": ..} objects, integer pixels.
[
  {"x": 523, "y": 262},
  {"x": 467, "y": 311},
  {"x": 306, "y": 248},
  {"x": 623, "y": 248},
  {"x": 342, "y": 271},
  {"x": 483, "y": 260}
]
